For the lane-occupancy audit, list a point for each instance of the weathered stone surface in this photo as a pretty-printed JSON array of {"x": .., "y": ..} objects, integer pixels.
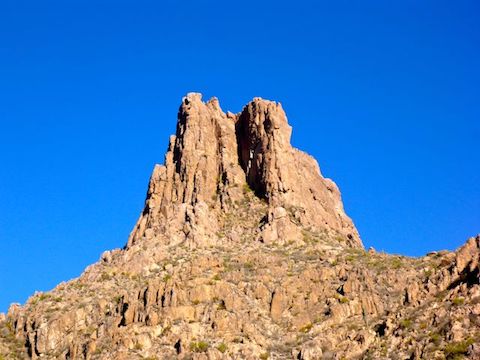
[
  {"x": 243, "y": 251},
  {"x": 286, "y": 176},
  {"x": 214, "y": 156}
]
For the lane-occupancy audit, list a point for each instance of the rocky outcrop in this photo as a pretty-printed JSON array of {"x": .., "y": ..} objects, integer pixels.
[
  {"x": 201, "y": 172},
  {"x": 215, "y": 156},
  {"x": 243, "y": 251},
  {"x": 285, "y": 176}
]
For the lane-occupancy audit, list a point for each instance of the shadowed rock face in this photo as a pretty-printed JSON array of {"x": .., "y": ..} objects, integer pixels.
[
  {"x": 243, "y": 251},
  {"x": 215, "y": 155}
]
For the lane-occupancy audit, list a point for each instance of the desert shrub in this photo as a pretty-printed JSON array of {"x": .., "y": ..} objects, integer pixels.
[
  {"x": 222, "y": 348},
  {"x": 247, "y": 189},
  {"x": 198, "y": 346},
  {"x": 458, "y": 301},
  {"x": 456, "y": 350},
  {"x": 306, "y": 328},
  {"x": 105, "y": 277},
  {"x": 406, "y": 323},
  {"x": 396, "y": 263},
  {"x": 435, "y": 338}
]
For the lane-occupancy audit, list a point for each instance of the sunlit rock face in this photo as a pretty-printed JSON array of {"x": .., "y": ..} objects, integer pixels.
[
  {"x": 214, "y": 156},
  {"x": 243, "y": 251}
]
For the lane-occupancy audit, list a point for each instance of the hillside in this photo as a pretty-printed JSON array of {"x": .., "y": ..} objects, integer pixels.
[{"x": 244, "y": 251}]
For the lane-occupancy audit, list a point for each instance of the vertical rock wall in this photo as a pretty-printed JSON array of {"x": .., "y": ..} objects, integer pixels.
[{"x": 214, "y": 155}]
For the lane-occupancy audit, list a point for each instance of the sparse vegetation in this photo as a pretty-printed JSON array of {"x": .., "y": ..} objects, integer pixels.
[
  {"x": 396, "y": 263},
  {"x": 458, "y": 301},
  {"x": 256, "y": 288},
  {"x": 222, "y": 347},
  {"x": 457, "y": 350},
  {"x": 249, "y": 265},
  {"x": 105, "y": 276},
  {"x": 247, "y": 189},
  {"x": 427, "y": 273},
  {"x": 199, "y": 346},
  {"x": 435, "y": 338},
  {"x": 406, "y": 323},
  {"x": 306, "y": 328}
]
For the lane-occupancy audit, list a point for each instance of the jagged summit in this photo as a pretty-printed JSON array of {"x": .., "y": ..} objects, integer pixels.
[
  {"x": 215, "y": 156},
  {"x": 243, "y": 251}
]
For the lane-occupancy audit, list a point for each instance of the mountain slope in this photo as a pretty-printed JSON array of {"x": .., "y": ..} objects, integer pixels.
[{"x": 244, "y": 251}]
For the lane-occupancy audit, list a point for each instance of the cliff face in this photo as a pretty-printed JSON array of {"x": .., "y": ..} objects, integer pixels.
[
  {"x": 215, "y": 156},
  {"x": 244, "y": 251}
]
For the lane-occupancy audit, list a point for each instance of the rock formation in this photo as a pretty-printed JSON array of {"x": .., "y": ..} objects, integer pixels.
[
  {"x": 244, "y": 251},
  {"x": 214, "y": 156}
]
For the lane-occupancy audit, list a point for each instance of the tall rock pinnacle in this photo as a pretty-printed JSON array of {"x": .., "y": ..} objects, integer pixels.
[
  {"x": 215, "y": 156},
  {"x": 244, "y": 251}
]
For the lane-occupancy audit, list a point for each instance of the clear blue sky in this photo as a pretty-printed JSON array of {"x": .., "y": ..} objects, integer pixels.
[{"x": 385, "y": 94}]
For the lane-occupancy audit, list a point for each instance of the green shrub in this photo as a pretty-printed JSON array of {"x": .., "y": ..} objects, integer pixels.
[
  {"x": 247, "y": 189},
  {"x": 264, "y": 356},
  {"x": 435, "y": 338},
  {"x": 305, "y": 329},
  {"x": 248, "y": 265},
  {"x": 458, "y": 301},
  {"x": 222, "y": 348},
  {"x": 456, "y": 350},
  {"x": 44, "y": 296},
  {"x": 198, "y": 346},
  {"x": 406, "y": 323},
  {"x": 396, "y": 263},
  {"x": 105, "y": 277}
]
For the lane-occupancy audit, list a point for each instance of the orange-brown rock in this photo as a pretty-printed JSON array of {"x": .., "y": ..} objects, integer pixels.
[
  {"x": 215, "y": 156},
  {"x": 243, "y": 251}
]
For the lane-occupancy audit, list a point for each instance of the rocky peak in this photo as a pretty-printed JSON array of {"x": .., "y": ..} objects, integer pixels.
[
  {"x": 214, "y": 156},
  {"x": 243, "y": 251}
]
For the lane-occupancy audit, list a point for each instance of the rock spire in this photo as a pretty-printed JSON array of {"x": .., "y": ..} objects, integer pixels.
[
  {"x": 243, "y": 251},
  {"x": 215, "y": 156}
]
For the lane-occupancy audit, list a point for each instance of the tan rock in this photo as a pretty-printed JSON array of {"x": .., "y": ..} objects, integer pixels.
[
  {"x": 195, "y": 282},
  {"x": 278, "y": 304}
]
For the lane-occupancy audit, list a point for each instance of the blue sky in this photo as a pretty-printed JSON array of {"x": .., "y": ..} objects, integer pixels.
[{"x": 385, "y": 94}]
